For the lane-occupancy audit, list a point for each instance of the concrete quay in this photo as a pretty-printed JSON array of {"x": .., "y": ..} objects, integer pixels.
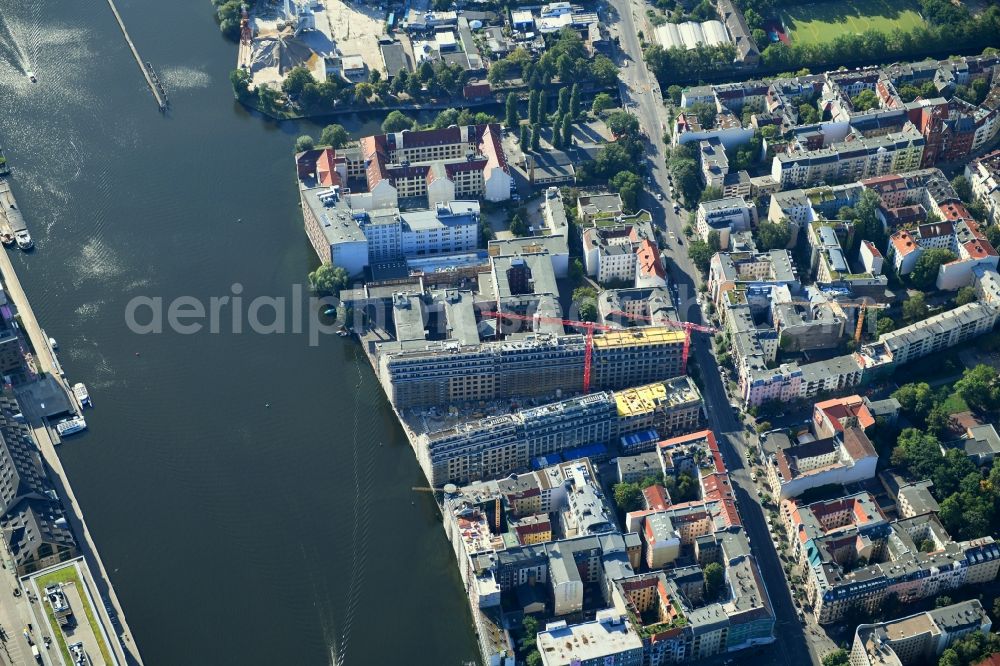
[{"x": 44, "y": 439}]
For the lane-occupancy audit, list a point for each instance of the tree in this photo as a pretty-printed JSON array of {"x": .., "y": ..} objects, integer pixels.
[
  {"x": 628, "y": 185},
  {"x": 963, "y": 188},
  {"x": 978, "y": 387},
  {"x": 543, "y": 106},
  {"x": 563, "y": 107},
  {"x": 704, "y": 112},
  {"x": 525, "y": 138},
  {"x": 628, "y": 496},
  {"x": 714, "y": 241},
  {"x": 397, "y": 121},
  {"x": 304, "y": 142},
  {"x": 584, "y": 294},
  {"x": 701, "y": 254},
  {"x": 533, "y": 659},
  {"x": 715, "y": 577},
  {"x": 710, "y": 193},
  {"x": 965, "y": 295},
  {"x": 576, "y": 271},
  {"x": 675, "y": 92},
  {"x": 536, "y": 136},
  {"x": 925, "y": 270},
  {"x": 517, "y": 226},
  {"x": 603, "y": 71},
  {"x": 240, "y": 78},
  {"x": 511, "y": 118},
  {"x": 296, "y": 80},
  {"x": 334, "y": 135},
  {"x": 774, "y": 235},
  {"x": 556, "y": 134},
  {"x": 588, "y": 311},
  {"x": 533, "y": 107},
  {"x": 622, "y": 124},
  {"x": 915, "y": 308},
  {"x": 567, "y": 131},
  {"x": 838, "y": 657},
  {"x": 574, "y": 101},
  {"x": 915, "y": 400},
  {"x": 808, "y": 114},
  {"x": 884, "y": 325},
  {"x": 602, "y": 102},
  {"x": 328, "y": 279},
  {"x": 865, "y": 100}
]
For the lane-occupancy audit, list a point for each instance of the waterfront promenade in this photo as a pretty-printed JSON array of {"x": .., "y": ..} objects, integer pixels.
[{"x": 74, "y": 513}]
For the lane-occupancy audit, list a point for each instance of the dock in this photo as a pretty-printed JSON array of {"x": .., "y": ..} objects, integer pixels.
[
  {"x": 159, "y": 94},
  {"x": 47, "y": 445}
]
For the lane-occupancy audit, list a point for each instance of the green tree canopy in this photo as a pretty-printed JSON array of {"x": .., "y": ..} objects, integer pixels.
[
  {"x": 304, "y": 142},
  {"x": 915, "y": 307},
  {"x": 715, "y": 577},
  {"x": 865, "y": 100},
  {"x": 701, "y": 254},
  {"x": 628, "y": 496},
  {"x": 296, "y": 80},
  {"x": 334, "y": 135},
  {"x": 838, "y": 657},
  {"x": 328, "y": 279},
  {"x": 511, "y": 118},
  {"x": 397, "y": 121},
  {"x": 517, "y": 226},
  {"x": 629, "y": 186},
  {"x": 925, "y": 271},
  {"x": 602, "y": 102},
  {"x": 978, "y": 387},
  {"x": 774, "y": 235},
  {"x": 622, "y": 123}
]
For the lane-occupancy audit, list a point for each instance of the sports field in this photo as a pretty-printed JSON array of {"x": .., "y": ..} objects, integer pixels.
[{"x": 822, "y": 22}]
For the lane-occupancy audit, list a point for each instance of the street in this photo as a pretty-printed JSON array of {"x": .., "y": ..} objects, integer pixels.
[{"x": 640, "y": 93}]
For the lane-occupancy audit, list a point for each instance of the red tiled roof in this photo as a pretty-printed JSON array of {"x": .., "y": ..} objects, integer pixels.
[
  {"x": 838, "y": 409},
  {"x": 954, "y": 210},
  {"x": 979, "y": 249},
  {"x": 656, "y": 497},
  {"x": 649, "y": 259},
  {"x": 903, "y": 243},
  {"x": 936, "y": 229}
]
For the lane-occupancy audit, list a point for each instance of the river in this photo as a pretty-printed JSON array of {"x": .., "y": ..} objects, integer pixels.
[{"x": 250, "y": 494}]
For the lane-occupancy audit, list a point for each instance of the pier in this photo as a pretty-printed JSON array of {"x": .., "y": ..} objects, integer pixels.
[
  {"x": 147, "y": 70},
  {"x": 126, "y": 646}
]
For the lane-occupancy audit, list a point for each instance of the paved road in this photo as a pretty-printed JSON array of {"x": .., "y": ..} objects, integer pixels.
[{"x": 640, "y": 91}]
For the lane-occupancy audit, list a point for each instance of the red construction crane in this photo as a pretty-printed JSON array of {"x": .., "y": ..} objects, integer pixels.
[
  {"x": 589, "y": 326},
  {"x": 686, "y": 325}
]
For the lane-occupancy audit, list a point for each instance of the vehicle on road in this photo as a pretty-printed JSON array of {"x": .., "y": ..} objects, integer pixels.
[{"x": 659, "y": 196}]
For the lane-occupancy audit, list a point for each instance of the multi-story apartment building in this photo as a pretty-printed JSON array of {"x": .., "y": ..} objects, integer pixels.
[
  {"x": 847, "y": 456},
  {"x": 855, "y": 558},
  {"x": 984, "y": 176},
  {"x": 441, "y": 164},
  {"x": 355, "y": 238},
  {"x": 959, "y": 233},
  {"x": 608, "y": 639},
  {"x": 854, "y": 159},
  {"x": 725, "y": 216},
  {"x": 732, "y": 270},
  {"x": 919, "y": 638},
  {"x": 35, "y": 532},
  {"x": 939, "y": 332},
  {"x": 497, "y": 445}
]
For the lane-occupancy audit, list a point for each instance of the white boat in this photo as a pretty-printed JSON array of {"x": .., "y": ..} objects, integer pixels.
[
  {"x": 31, "y": 77},
  {"x": 80, "y": 391},
  {"x": 70, "y": 426},
  {"x": 24, "y": 241},
  {"x": 53, "y": 343}
]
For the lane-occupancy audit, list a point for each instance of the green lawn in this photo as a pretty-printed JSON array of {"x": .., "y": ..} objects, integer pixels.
[
  {"x": 955, "y": 404},
  {"x": 68, "y": 575},
  {"x": 820, "y": 23}
]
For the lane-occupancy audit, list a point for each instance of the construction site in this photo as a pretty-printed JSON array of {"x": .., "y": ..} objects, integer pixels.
[{"x": 332, "y": 39}]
